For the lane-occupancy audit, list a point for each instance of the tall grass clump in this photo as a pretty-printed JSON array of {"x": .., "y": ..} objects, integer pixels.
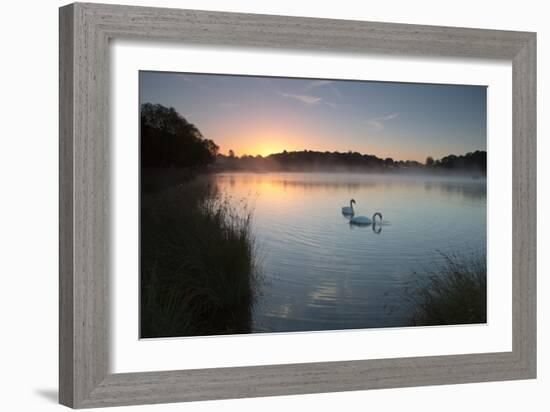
[
  {"x": 198, "y": 272},
  {"x": 454, "y": 292}
]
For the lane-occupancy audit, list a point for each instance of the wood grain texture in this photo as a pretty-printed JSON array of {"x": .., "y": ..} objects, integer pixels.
[
  {"x": 85, "y": 31},
  {"x": 524, "y": 124},
  {"x": 85, "y": 152},
  {"x": 66, "y": 183}
]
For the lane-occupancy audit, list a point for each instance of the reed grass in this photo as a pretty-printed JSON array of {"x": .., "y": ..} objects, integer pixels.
[
  {"x": 198, "y": 269},
  {"x": 454, "y": 292}
]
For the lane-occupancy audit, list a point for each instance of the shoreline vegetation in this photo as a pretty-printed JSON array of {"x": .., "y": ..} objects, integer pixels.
[
  {"x": 199, "y": 269},
  {"x": 451, "y": 293}
]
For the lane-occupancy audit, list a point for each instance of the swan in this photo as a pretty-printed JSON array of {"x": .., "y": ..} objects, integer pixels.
[
  {"x": 348, "y": 210},
  {"x": 364, "y": 220}
]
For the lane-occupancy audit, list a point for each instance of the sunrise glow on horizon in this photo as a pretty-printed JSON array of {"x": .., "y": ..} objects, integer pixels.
[{"x": 265, "y": 115}]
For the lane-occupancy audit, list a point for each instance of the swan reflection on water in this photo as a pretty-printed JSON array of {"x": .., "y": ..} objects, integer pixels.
[{"x": 376, "y": 227}]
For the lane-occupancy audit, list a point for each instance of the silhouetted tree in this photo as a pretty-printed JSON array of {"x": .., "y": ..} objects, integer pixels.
[
  {"x": 168, "y": 140},
  {"x": 429, "y": 161},
  {"x": 476, "y": 161}
]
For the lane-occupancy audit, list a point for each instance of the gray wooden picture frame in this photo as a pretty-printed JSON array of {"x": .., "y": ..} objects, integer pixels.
[{"x": 85, "y": 32}]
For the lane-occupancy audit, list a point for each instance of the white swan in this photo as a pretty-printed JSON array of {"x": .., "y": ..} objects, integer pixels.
[
  {"x": 348, "y": 210},
  {"x": 364, "y": 220}
]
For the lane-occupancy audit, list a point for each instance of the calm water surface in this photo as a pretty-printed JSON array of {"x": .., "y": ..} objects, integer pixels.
[{"x": 320, "y": 273}]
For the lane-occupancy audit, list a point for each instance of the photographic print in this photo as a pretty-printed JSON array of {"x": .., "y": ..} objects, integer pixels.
[{"x": 275, "y": 204}]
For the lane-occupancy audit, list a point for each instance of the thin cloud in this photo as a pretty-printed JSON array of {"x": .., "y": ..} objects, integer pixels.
[
  {"x": 377, "y": 123},
  {"x": 307, "y": 99},
  {"x": 304, "y": 98},
  {"x": 385, "y": 118},
  {"x": 317, "y": 83},
  {"x": 320, "y": 83}
]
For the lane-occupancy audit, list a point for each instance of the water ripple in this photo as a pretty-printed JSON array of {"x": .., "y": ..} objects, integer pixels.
[{"x": 322, "y": 273}]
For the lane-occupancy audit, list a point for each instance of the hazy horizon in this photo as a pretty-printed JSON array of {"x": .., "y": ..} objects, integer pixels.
[{"x": 265, "y": 115}]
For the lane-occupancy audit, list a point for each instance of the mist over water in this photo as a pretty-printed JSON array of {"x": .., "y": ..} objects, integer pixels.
[{"x": 320, "y": 273}]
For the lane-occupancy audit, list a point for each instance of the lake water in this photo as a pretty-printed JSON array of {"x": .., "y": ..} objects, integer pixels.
[{"x": 320, "y": 273}]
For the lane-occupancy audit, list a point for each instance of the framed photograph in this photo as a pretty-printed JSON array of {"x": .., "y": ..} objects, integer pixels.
[{"x": 255, "y": 205}]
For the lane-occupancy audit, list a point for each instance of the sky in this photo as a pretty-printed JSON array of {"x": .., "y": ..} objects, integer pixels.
[{"x": 264, "y": 115}]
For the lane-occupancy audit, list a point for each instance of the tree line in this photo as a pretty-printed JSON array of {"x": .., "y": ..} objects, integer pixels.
[
  {"x": 316, "y": 160},
  {"x": 168, "y": 140}
]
